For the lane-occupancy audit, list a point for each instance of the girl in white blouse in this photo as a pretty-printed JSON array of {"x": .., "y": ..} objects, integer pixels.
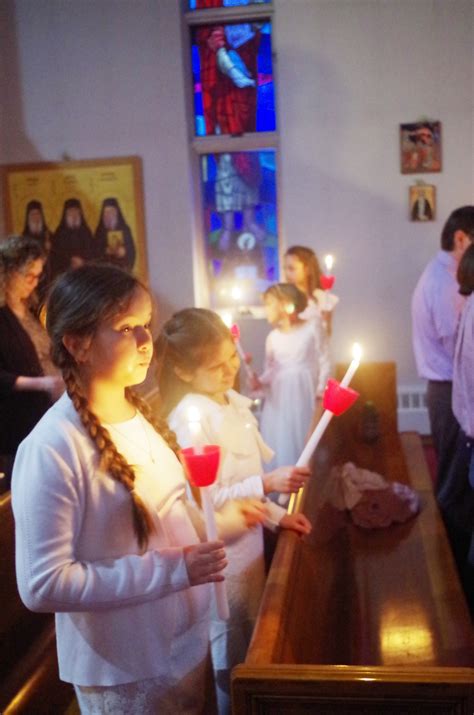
[{"x": 197, "y": 366}]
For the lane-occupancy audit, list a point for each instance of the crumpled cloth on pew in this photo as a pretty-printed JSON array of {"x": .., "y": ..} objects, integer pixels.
[{"x": 371, "y": 500}]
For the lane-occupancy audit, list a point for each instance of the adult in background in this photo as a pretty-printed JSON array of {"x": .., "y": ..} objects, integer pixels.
[
  {"x": 28, "y": 380},
  {"x": 113, "y": 236},
  {"x": 456, "y": 497},
  {"x": 436, "y": 307}
]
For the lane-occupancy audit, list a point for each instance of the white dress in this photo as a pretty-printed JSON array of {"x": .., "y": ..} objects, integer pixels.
[
  {"x": 292, "y": 379},
  {"x": 234, "y": 428}
]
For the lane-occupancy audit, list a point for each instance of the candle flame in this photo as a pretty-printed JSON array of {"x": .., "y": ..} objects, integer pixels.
[
  {"x": 193, "y": 414},
  {"x": 328, "y": 261},
  {"x": 356, "y": 352}
]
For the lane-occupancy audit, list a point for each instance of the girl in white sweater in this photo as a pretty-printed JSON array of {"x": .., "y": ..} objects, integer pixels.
[{"x": 105, "y": 536}]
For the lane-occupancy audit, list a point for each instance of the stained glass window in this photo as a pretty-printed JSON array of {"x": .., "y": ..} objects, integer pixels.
[
  {"x": 233, "y": 78},
  {"x": 207, "y": 4},
  {"x": 240, "y": 225}
]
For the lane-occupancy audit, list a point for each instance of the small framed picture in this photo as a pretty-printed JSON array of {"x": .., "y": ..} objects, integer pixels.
[
  {"x": 420, "y": 147},
  {"x": 422, "y": 202}
]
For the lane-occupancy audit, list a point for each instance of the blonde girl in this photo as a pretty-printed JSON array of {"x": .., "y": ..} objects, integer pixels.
[{"x": 197, "y": 366}]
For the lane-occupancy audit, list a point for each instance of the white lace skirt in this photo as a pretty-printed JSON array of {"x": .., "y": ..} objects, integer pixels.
[{"x": 154, "y": 696}]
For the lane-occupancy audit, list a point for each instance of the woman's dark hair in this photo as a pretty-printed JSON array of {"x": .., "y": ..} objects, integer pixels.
[
  {"x": 312, "y": 268},
  {"x": 16, "y": 252},
  {"x": 290, "y": 295},
  {"x": 79, "y": 302},
  {"x": 461, "y": 219},
  {"x": 186, "y": 341},
  {"x": 465, "y": 273}
]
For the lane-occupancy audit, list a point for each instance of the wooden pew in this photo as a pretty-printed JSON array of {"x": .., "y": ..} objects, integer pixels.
[
  {"x": 357, "y": 621},
  {"x": 29, "y": 680}
]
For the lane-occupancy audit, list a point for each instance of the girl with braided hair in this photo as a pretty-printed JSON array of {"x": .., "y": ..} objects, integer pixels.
[{"x": 104, "y": 535}]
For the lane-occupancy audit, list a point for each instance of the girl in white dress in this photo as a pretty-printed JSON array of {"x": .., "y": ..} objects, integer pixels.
[
  {"x": 197, "y": 366},
  {"x": 292, "y": 377},
  {"x": 104, "y": 535}
]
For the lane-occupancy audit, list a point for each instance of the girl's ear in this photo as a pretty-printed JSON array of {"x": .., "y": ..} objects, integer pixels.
[
  {"x": 77, "y": 346},
  {"x": 183, "y": 375}
]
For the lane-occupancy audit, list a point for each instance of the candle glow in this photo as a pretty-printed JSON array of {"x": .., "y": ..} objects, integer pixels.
[
  {"x": 194, "y": 424},
  {"x": 356, "y": 357},
  {"x": 329, "y": 262}
]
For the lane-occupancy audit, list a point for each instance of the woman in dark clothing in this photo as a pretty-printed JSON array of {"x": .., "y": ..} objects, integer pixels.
[{"x": 28, "y": 381}]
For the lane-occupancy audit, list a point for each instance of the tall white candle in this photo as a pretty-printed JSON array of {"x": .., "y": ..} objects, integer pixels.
[
  {"x": 211, "y": 531},
  {"x": 320, "y": 428},
  {"x": 356, "y": 356},
  {"x": 194, "y": 424}
]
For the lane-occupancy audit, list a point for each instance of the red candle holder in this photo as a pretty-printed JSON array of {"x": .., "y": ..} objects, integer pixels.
[
  {"x": 338, "y": 399},
  {"x": 326, "y": 282},
  {"x": 235, "y": 331},
  {"x": 202, "y": 464}
]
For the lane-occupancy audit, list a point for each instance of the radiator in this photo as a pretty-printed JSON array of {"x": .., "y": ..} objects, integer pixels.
[{"x": 412, "y": 412}]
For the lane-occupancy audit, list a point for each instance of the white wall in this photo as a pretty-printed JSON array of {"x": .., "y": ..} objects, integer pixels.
[
  {"x": 350, "y": 71},
  {"x": 99, "y": 78}
]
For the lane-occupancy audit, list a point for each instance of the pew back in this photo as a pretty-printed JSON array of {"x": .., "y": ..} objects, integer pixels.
[
  {"x": 349, "y": 614},
  {"x": 29, "y": 679}
]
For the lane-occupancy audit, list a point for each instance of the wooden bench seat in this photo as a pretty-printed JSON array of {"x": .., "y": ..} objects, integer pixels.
[
  {"x": 29, "y": 680},
  {"x": 357, "y": 621}
]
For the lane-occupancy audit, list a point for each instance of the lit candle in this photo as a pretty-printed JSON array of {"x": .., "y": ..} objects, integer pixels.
[
  {"x": 328, "y": 262},
  {"x": 320, "y": 428},
  {"x": 356, "y": 356},
  {"x": 194, "y": 424}
]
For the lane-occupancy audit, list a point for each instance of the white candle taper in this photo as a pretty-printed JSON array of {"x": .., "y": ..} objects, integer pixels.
[
  {"x": 211, "y": 531},
  {"x": 320, "y": 428},
  {"x": 194, "y": 424},
  {"x": 356, "y": 356}
]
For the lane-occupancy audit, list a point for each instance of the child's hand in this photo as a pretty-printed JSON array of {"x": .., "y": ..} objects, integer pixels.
[
  {"x": 204, "y": 561},
  {"x": 254, "y": 512},
  {"x": 296, "y": 522},
  {"x": 285, "y": 479}
]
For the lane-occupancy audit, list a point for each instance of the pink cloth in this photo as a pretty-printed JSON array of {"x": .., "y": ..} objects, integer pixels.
[{"x": 374, "y": 502}]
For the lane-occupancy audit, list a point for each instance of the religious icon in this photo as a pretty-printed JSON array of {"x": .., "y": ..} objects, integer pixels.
[
  {"x": 420, "y": 147},
  {"x": 422, "y": 202},
  {"x": 80, "y": 210}
]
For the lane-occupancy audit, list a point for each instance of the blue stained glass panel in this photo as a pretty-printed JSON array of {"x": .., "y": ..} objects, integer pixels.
[
  {"x": 240, "y": 226},
  {"x": 233, "y": 78}
]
